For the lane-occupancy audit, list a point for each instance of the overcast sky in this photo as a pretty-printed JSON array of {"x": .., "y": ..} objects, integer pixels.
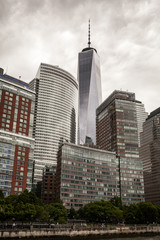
[{"x": 126, "y": 34}]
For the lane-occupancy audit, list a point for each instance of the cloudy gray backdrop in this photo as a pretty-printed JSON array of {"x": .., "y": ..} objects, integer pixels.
[{"x": 126, "y": 34}]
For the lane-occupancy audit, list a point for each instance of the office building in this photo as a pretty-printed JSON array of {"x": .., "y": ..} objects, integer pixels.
[
  {"x": 150, "y": 156},
  {"x": 16, "y": 142},
  {"x": 56, "y": 116},
  {"x": 117, "y": 131},
  {"x": 48, "y": 185},
  {"x": 90, "y": 95},
  {"x": 85, "y": 175}
]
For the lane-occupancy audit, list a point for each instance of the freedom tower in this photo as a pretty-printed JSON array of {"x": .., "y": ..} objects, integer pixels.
[{"x": 90, "y": 95}]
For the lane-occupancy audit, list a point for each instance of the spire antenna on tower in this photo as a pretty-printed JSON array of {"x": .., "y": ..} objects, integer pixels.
[{"x": 89, "y": 42}]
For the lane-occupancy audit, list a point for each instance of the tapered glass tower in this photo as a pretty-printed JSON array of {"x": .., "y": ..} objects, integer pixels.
[{"x": 90, "y": 96}]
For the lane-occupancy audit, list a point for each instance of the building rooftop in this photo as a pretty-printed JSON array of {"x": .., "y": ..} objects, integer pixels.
[
  {"x": 116, "y": 94},
  {"x": 154, "y": 113},
  {"x": 89, "y": 48},
  {"x": 12, "y": 79}
]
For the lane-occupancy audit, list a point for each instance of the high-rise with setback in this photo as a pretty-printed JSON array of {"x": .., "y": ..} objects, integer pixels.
[
  {"x": 117, "y": 130},
  {"x": 55, "y": 118},
  {"x": 90, "y": 95}
]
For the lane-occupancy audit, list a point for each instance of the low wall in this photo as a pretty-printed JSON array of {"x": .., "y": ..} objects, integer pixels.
[{"x": 38, "y": 233}]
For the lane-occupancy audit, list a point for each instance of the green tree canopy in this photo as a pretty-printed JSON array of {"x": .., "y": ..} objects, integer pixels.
[
  {"x": 56, "y": 211},
  {"x": 102, "y": 211}
]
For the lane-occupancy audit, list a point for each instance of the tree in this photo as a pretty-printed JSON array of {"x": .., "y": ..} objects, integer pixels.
[
  {"x": 102, "y": 211},
  {"x": 72, "y": 213},
  {"x": 1, "y": 194},
  {"x": 130, "y": 214},
  {"x": 56, "y": 211},
  {"x": 147, "y": 212},
  {"x": 29, "y": 197},
  {"x": 117, "y": 202}
]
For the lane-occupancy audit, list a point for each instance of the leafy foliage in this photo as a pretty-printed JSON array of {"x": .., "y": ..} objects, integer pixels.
[
  {"x": 27, "y": 207},
  {"x": 102, "y": 211},
  {"x": 56, "y": 211}
]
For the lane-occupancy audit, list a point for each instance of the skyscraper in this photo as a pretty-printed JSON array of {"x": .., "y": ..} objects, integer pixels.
[
  {"x": 55, "y": 118},
  {"x": 150, "y": 156},
  {"x": 117, "y": 130},
  {"x": 16, "y": 142},
  {"x": 90, "y": 95}
]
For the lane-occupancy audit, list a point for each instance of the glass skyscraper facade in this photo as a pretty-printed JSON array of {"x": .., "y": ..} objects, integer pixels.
[
  {"x": 117, "y": 130},
  {"x": 90, "y": 96},
  {"x": 56, "y": 113},
  {"x": 85, "y": 175},
  {"x": 16, "y": 142}
]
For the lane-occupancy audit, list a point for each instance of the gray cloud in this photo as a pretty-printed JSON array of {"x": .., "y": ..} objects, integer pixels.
[{"x": 125, "y": 33}]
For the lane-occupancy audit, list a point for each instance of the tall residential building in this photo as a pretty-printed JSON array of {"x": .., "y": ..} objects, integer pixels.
[
  {"x": 85, "y": 175},
  {"x": 90, "y": 96},
  {"x": 117, "y": 130},
  {"x": 56, "y": 116},
  {"x": 16, "y": 142},
  {"x": 150, "y": 156}
]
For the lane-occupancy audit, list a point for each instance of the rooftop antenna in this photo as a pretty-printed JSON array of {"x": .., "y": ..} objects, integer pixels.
[{"x": 89, "y": 42}]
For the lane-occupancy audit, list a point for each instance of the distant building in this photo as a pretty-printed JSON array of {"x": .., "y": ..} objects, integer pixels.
[
  {"x": 150, "y": 156},
  {"x": 117, "y": 130},
  {"x": 56, "y": 114},
  {"x": 90, "y": 96},
  {"x": 16, "y": 142},
  {"x": 85, "y": 175},
  {"x": 48, "y": 185},
  {"x": 141, "y": 117}
]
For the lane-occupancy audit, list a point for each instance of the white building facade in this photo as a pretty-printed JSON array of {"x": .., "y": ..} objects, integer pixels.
[{"x": 56, "y": 113}]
